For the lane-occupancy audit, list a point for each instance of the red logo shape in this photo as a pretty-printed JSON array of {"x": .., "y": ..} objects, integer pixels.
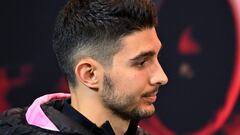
[{"x": 187, "y": 45}]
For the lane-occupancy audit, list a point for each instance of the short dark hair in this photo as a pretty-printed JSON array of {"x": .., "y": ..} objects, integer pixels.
[{"x": 93, "y": 28}]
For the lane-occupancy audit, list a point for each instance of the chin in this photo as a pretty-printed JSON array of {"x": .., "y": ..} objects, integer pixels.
[
  {"x": 151, "y": 109},
  {"x": 148, "y": 111}
]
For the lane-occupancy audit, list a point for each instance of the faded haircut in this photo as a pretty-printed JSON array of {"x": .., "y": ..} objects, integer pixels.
[{"x": 94, "y": 28}]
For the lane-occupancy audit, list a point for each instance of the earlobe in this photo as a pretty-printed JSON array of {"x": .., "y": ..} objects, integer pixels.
[{"x": 86, "y": 74}]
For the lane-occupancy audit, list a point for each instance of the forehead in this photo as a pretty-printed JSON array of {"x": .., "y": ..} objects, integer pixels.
[{"x": 138, "y": 42}]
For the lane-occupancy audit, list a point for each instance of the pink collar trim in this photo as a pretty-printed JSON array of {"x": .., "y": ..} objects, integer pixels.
[{"x": 35, "y": 115}]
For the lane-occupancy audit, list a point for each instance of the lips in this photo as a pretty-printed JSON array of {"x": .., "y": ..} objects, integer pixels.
[{"x": 151, "y": 97}]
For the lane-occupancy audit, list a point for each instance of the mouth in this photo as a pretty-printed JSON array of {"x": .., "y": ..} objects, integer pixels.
[{"x": 150, "y": 97}]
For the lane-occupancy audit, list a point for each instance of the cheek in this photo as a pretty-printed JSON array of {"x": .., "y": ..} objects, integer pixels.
[
  {"x": 132, "y": 83},
  {"x": 138, "y": 80}
]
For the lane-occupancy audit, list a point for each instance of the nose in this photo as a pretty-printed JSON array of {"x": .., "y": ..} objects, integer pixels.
[{"x": 158, "y": 76}]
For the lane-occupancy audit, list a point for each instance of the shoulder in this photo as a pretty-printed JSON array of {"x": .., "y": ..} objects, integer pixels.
[
  {"x": 13, "y": 122},
  {"x": 13, "y": 116}
]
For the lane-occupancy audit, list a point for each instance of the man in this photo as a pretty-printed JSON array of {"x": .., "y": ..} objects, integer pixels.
[{"x": 108, "y": 50}]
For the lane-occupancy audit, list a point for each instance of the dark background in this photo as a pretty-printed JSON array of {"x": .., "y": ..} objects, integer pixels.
[{"x": 199, "y": 55}]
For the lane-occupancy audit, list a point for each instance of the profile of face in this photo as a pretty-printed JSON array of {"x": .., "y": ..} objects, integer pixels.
[{"x": 130, "y": 85}]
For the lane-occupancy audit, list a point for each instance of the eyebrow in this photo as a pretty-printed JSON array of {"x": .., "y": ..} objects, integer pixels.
[
  {"x": 147, "y": 54},
  {"x": 142, "y": 55}
]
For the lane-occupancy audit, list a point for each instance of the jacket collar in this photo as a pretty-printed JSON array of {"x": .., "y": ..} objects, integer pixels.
[
  {"x": 35, "y": 115},
  {"x": 45, "y": 112}
]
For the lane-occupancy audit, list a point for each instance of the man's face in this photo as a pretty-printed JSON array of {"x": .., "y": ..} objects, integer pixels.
[{"x": 131, "y": 84}]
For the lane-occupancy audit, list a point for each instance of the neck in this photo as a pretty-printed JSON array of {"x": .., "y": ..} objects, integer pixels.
[{"x": 89, "y": 105}]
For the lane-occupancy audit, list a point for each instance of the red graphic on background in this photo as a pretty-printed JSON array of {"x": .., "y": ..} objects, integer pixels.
[
  {"x": 4, "y": 88},
  {"x": 8, "y": 83},
  {"x": 233, "y": 127},
  {"x": 187, "y": 45},
  {"x": 62, "y": 85}
]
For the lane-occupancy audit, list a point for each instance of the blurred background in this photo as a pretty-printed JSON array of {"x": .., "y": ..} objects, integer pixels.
[{"x": 201, "y": 56}]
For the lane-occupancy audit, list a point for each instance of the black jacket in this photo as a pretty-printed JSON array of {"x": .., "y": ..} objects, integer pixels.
[{"x": 14, "y": 122}]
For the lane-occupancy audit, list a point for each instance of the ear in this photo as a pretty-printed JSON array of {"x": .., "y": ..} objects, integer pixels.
[{"x": 86, "y": 72}]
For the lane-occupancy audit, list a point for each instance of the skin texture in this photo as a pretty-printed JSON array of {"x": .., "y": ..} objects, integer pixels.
[{"x": 125, "y": 90}]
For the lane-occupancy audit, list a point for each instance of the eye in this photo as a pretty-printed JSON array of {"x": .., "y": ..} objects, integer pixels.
[{"x": 141, "y": 63}]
